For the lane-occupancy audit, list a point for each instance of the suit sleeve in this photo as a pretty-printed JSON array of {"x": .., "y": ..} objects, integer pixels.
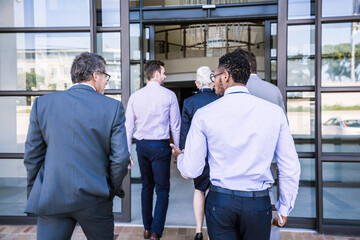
[
  {"x": 119, "y": 155},
  {"x": 35, "y": 148},
  {"x": 185, "y": 124}
]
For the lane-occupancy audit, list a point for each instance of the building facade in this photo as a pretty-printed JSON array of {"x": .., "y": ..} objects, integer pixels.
[{"x": 309, "y": 49}]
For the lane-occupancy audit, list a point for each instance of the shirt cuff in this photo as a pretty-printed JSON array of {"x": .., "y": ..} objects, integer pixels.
[{"x": 282, "y": 209}]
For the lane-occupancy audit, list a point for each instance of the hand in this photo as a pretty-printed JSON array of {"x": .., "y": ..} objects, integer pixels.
[
  {"x": 185, "y": 177},
  {"x": 131, "y": 162},
  {"x": 277, "y": 223},
  {"x": 175, "y": 151}
]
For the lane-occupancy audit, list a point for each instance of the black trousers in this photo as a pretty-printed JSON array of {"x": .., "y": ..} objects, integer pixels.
[
  {"x": 233, "y": 217},
  {"x": 97, "y": 222}
]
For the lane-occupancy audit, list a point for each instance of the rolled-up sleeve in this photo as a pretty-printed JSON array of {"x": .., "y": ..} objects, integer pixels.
[{"x": 289, "y": 169}]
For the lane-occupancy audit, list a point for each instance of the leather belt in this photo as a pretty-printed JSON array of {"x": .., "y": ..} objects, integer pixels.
[{"x": 262, "y": 193}]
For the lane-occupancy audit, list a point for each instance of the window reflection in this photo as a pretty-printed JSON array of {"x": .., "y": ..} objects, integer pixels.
[
  {"x": 109, "y": 48},
  {"x": 301, "y": 55},
  {"x": 39, "y": 61},
  {"x": 108, "y": 13},
  {"x": 340, "y": 114},
  {"x": 12, "y": 187},
  {"x": 135, "y": 42},
  {"x": 340, "y": 54},
  {"x": 14, "y": 122},
  {"x": 341, "y": 190},
  {"x": 301, "y": 116},
  {"x": 165, "y": 3},
  {"x": 135, "y": 77},
  {"x": 332, "y": 8},
  {"x": 301, "y": 9},
  {"x": 44, "y": 13},
  {"x": 237, "y": 1},
  {"x": 305, "y": 205}
]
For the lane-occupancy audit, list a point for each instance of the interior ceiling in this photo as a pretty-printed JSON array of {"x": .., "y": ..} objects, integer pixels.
[{"x": 184, "y": 84}]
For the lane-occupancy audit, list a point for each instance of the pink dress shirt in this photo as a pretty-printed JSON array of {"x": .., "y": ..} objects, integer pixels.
[{"x": 151, "y": 112}]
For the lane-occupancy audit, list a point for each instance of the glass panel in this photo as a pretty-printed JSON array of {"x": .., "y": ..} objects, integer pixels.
[
  {"x": 108, "y": 46},
  {"x": 135, "y": 77},
  {"x": 165, "y": 3},
  {"x": 135, "y": 170},
  {"x": 210, "y": 40},
  {"x": 116, "y": 96},
  {"x": 44, "y": 13},
  {"x": 273, "y": 77},
  {"x": 333, "y": 8},
  {"x": 14, "y": 123},
  {"x": 39, "y": 61},
  {"x": 108, "y": 13},
  {"x": 301, "y": 55},
  {"x": 273, "y": 40},
  {"x": 340, "y": 54},
  {"x": 135, "y": 42},
  {"x": 134, "y": 4},
  {"x": 301, "y": 116},
  {"x": 340, "y": 115},
  {"x": 238, "y": 1},
  {"x": 305, "y": 204},
  {"x": 301, "y": 9},
  {"x": 146, "y": 43},
  {"x": 341, "y": 190},
  {"x": 12, "y": 187}
]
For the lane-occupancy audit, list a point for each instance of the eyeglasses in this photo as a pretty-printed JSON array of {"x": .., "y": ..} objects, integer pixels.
[
  {"x": 212, "y": 76},
  {"x": 108, "y": 76}
]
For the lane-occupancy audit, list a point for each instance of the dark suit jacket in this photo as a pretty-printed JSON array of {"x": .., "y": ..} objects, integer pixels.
[
  {"x": 190, "y": 106},
  {"x": 76, "y": 153}
]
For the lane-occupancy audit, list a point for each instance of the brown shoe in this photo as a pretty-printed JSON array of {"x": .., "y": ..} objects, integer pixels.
[
  {"x": 147, "y": 234},
  {"x": 154, "y": 236}
]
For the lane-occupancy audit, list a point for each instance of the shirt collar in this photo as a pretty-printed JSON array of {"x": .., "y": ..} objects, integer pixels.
[
  {"x": 85, "y": 84},
  {"x": 154, "y": 83},
  {"x": 236, "y": 89},
  {"x": 205, "y": 90}
]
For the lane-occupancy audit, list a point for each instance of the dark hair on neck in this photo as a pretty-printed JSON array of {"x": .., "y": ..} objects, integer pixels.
[
  {"x": 151, "y": 67},
  {"x": 84, "y": 65},
  {"x": 250, "y": 57},
  {"x": 236, "y": 65}
]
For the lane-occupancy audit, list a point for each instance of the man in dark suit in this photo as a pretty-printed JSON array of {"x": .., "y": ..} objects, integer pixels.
[
  {"x": 76, "y": 155},
  {"x": 191, "y": 105}
]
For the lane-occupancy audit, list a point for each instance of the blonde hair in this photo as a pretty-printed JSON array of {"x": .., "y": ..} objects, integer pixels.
[{"x": 203, "y": 76}]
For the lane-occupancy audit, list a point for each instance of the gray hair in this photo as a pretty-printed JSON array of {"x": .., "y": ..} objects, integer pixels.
[
  {"x": 203, "y": 76},
  {"x": 84, "y": 65}
]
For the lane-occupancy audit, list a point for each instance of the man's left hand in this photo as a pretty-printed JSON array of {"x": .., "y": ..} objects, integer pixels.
[
  {"x": 176, "y": 151},
  {"x": 277, "y": 222}
]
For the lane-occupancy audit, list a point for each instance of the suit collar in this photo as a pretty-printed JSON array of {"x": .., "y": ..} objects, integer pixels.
[{"x": 85, "y": 86}]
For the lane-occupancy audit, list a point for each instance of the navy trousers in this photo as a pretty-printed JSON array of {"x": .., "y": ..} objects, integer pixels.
[
  {"x": 233, "y": 217},
  {"x": 154, "y": 158},
  {"x": 97, "y": 222}
]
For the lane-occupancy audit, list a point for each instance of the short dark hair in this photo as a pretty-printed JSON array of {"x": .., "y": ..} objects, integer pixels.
[
  {"x": 84, "y": 65},
  {"x": 151, "y": 67},
  {"x": 250, "y": 57},
  {"x": 236, "y": 65}
]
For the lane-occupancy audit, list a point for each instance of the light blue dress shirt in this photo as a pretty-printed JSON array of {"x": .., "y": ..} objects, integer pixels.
[
  {"x": 241, "y": 133},
  {"x": 154, "y": 110}
]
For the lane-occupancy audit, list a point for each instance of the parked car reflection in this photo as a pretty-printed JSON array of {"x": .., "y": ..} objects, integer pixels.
[{"x": 338, "y": 126}]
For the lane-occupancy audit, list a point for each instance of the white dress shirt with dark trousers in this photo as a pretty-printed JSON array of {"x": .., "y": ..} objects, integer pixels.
[{"x": 240, "y": 134}]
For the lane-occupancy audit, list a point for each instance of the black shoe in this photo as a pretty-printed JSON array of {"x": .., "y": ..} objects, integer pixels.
[{"x": 198, "y": 236}]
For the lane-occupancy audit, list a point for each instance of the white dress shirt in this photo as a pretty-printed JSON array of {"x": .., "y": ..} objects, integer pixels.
[
  {"x": 153, "y": 110},
  {"x": 240, "y": 133}
]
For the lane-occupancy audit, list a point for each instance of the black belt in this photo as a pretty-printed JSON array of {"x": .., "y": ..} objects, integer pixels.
[{"x": 262, "y": 193}]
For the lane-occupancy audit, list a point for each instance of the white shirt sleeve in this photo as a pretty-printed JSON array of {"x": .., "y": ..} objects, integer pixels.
[
  {"x": 191, "y": 164},
  {"x": 289, "y": 169},
  {"x": 175, "y": 119}
]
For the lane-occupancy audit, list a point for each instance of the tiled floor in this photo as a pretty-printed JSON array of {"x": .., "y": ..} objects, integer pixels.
[{"x": 26, "y": 232}]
